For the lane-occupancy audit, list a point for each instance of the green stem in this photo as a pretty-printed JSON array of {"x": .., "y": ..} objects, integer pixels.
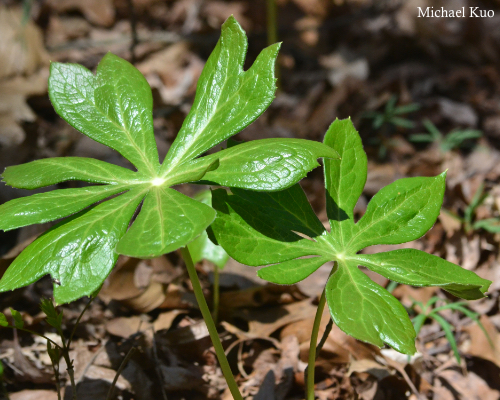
[
  {"x": 312, "y": 347},
  {"x": 215, "y": 311},
  {"x": 214, "y": 335},
  {"x": 272, "y": 30}
]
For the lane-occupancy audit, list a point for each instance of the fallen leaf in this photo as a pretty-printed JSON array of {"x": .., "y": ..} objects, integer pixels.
[{"x": 99, "y": 12}]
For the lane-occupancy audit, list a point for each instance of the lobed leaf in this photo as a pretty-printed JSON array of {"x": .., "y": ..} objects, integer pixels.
[
  {"x": 292, "y": 271},
  {"x": 418, "y": 268},
  {"x": 44, "y": 207},
  {"x": 113, "y": 108},
  {"x": 227, "y": 98},
  {"x": 168, "y": 220},
  {"x": 258, "y": 228},
  {"x": 400, "y": 212},
  {"x": 18, "y": 319},
  {"x": 268, "y": 164},
  {"x": 53, "y": 317},
  {"x": 50, "y": 171},
  {"x": 79, "y": 253},
  {"x": 367, "y": 311}
]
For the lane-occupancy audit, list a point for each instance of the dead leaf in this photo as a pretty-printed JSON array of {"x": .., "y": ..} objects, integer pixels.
[
  {"x": 469, "y": 386},
  {"x": 127, "y": 326},
  {"x": 34, "y": 395},
  {"x": 99, "y": 12},
  {"x": 173, "y": 71},
  {"x": 479, "y": 345}
]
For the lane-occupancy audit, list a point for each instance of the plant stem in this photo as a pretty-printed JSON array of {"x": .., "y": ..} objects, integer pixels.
[
  {"x": 119, "y": 371},
  {"x": 215, "y": 311},
  {"x": 312, "y": 347},
  {"x": 214, "y": 335},
  {"x": 78, "y": 320}
]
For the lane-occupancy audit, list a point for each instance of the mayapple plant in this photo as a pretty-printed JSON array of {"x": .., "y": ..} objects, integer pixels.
[
  {"x": 280, "y": 231},
  {"x": 114, "y": 107}
]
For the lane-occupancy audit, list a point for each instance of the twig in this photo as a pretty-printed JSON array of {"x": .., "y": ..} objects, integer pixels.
[
  {"x": 119, "y": 371},
  {"x": 157, "y": 365},
  {"x": 133, "y": 28}
]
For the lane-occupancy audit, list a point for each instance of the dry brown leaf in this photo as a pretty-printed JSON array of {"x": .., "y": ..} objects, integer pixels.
[
  {"x": 99, "y": 12},
  {"x": 13, "y": 107},
  {"x": 450, "y": 224},
  {"x": 33, "y": 395},
  {"x": 21, "y": 47},
  {"x": 127, "y": 326},
  {"x": 469, "y": 386},
  {"x": 216, "y": 12},
  {"x": 173, "y": 71},
  {"x": 165, "y": 319},
  {"x": 370, "y": 366},
  {"x": 479, "y": 345}
]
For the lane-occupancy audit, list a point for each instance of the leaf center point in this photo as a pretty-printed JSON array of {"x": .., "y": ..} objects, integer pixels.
[{"x": 157, "y": 181}]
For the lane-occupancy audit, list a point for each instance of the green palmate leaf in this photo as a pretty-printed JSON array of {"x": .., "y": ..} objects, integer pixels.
[
  {"x": 227, "y": 98},
  {"x": 202, "y": 247},
  {"x": 167, "y": 221},
  {"x": 367, "y": 311},
  {"x": 79, "y": 254},
  {"x": 114, "y": 107},
  {"x": 417, "y": 268},
  {"x": 258, "y": 228},
  {"x": 18, "y": 319},
  {"x": 44, "y": 207},
  {"x": 269, "y": 164},
  {"x": 50, "y": 171},
  {"x": 400, "y": 212}
]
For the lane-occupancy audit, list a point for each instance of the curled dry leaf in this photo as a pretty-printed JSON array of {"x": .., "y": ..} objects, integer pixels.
[
  {"x": 173, "y": 71},
  {"x": 99, "y": 12}
]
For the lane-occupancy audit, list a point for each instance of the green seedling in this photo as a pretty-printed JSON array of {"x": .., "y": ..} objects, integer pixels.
[
  {"x": 114, "y": 107},
  {"x": 428, "y": 312},
  {"x": 391, "y": 115},
  {"x": 386, "y": 121},
  {"x": 202, "y": 248},
  {"x": 280, "y": 230},
  {"x": 455, "y": 139},
  {"x": 469, "y": 222}
]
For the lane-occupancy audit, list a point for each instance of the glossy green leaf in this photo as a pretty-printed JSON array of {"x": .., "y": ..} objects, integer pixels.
[
  {"x": 79, "y": 254},
  {"x": 268, "y": 164},
  {"x": 400, "y": 212},
  {"x": 417, "y": 268},
  {"x": 50, "y": 171},
  {"x": 18, "y": 319},
  {"x": 44, "y": 207},
  {"x": 259, "y": 228},
  {"x": 114, "y": 107},
  {"x": 227, "y": 98},
  {"x": 344, "y": 179},
  {"x": 292, "y": 271},
  {"x": 367, "y": 311},
  {"x": 168, "y": 220},
  {"x": 202, "y": 248}
]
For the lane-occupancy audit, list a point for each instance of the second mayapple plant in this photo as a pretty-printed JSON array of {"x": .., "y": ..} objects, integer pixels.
[{"x": 280, "y": 230}]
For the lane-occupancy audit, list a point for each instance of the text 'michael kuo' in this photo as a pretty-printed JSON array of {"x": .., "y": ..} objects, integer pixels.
[{"x": 472, "y": 12}]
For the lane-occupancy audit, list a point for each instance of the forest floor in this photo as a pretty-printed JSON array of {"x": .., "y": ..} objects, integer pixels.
[{"x": 395, "y": 74}]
